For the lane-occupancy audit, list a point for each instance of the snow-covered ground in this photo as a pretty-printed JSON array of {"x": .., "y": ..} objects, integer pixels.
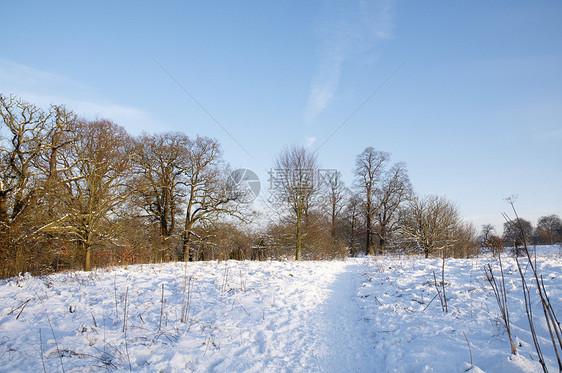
[{"x": 360, "y": 315}]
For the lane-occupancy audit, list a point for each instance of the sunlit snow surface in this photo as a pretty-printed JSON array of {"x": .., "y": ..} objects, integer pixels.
[{"x": 359, "y": 315}]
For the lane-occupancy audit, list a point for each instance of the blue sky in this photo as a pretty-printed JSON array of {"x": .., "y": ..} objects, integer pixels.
[{"x": 476, "y": 112}]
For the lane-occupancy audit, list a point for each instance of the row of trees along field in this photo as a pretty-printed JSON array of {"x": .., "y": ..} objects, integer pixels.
[
  {"x": 548, "y": 231},
  {"x": 76, "y": 194}
]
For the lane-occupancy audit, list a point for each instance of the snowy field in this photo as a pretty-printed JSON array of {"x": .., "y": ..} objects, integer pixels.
[{"x": 359, "y": 315}]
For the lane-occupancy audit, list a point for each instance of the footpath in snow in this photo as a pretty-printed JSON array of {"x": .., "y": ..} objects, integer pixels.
[{"x": 359, "y": 315}]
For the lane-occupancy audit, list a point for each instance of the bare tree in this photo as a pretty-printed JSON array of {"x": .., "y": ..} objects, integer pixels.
[
  {"x": 336, "y": 194},
  {"x": 486, "y": 233},
  {"x": 352, "y": 216},
  {"x": 465, "y": 243},
  {"x": 395, "y": 189},
  {"x": 28, "y": 128},
  {"x": 549, "y": 229},
  {"x": 433, "y": 225},
  {"x": 160, "y": 162},
  {"x": 296, "y": 168},
  {"x": 97, "y": 170},
  {"x": 430, "y": 224},
  {"x": 27, "y": 174},
  {"x": 512, "y": 236},
  {"x": 369, "y": 170},
  {"x": 210, "y": 193}
]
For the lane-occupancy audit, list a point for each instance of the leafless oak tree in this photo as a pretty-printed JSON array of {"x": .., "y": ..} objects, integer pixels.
[
  {"x": 549, "y": 229},
  {"x": 336, "y": 196},
  {"x": 369, "y": 170},
  {"x": 353, "y": 220},
  {"x": 297, "y": 167},
  {"x": 97, "y": 169},
  {"x": 430, "y": 223},
  {"x": 160, "y": 161},
  {"x": 27, "y": 173},
  {"x": 210, "y": 193},
  {"x": 159, "y": 188},
  {"x": 395, "y": 189}
]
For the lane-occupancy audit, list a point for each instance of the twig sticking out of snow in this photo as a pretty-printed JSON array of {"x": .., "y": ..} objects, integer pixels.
[
  {"x": 56, "y": 343},
  {"x": 225, "y": 278},
  {"x": 115, "y": 292},
  {"x": 498, "y": 286},
  {"x": 125, "y": 311},
  {"x": 41, "y": 348},
  {"x": 435, "y": 296},
  {"x": 161, "y": 309},
  {"x": 439, "y": 292},
  {"x": 469, "y": 350},
  {"x": 22, "y": 306},
  {"x": 551, "y": 320}
]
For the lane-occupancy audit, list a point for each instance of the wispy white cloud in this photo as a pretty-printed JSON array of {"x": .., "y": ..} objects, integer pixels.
[
  {"x": 16, "y": 76},
  {"x": 345, "y": 29},
  {"x": 309, "y": 141},
  {"x": 45, "y": 88}
]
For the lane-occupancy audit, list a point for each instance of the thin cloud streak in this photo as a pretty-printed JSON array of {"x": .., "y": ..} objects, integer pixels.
[
  {"x": 45, "y": 88},
  {"x": 310, "y": 141},
  {"x": 15, "y": 76},
  {"x": 345, "y": 30}
]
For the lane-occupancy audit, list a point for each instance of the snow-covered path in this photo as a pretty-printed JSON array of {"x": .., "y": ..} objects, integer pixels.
[
  {"x": 358, "y": 315},
  {"x": 244, "y": 316},
  {"x": 345, "y": 343},
  {"x": 314, "y": 326}
]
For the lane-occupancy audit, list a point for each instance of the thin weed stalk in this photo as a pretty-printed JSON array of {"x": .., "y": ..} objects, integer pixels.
[
  {"x": 554, "y": 328},
  {"x": 127, "y": 351},
  {"x": 41, "y": 348},
  {"x": 56, "y": 343},
  {"x": 161, "y": 309},
  {"x": 498, "y": 287},
  {"x": 438, "y": 292},
  {"x": 22, "y": 308},
  {"x": 186, "y": 307},
  {"x": 184, "y": 293},
  {"x": 529, "y": 311},
  {"x": 115, "y": 293},
  {"x": 125, "y": 310},
  {"x": 469, "y": 349},
  {"x": 446, "y": 308},
  {"x": 225, "y": 278}
]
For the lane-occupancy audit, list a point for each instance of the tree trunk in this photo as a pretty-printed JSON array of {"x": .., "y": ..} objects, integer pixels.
[
  {"x": 369, "y": 240},
  {"x": 4, "y": 208},
  {"x": 186, "y": 252},
  {"x": 368, "y": 243},
  {"x": 87, "y": 259},
  {"x": 382, "y": 238},
  {"x": 352, "y": 237},
  {"x": 298, "y": 239},
  {"x": 18, "y": 261},
  {"x": 333, "y": 223}
]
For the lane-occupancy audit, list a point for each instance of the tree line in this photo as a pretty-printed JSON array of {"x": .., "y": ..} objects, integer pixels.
[
  {"x": 76, "y": 194},
  {"x": 520, "y": 232}
]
